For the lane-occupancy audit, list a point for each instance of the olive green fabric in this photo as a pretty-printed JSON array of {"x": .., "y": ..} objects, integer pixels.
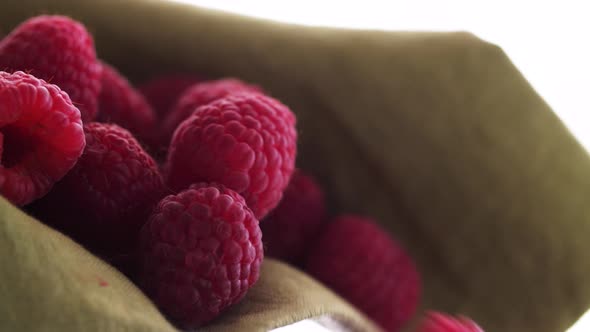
[
  {"x": 437, "y": 135},
  {"x": 50, "y": 283}
]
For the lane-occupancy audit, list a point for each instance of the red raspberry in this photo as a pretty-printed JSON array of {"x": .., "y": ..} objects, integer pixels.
[
  {"x": 199, "y": 95},
  {"x": 359, "y": 261},
  {"x": 200, "y": 252},
  {"x": 108, "y": 195},
  {"x": 121, "y": 104},
  {"x": 246, "y": 142},
  {"x": 41, "y": 136},
  {"x": 295, "y": 222},
  {"x": 59, "y": 50},
  {"x": 439, "y": 322},
  {"x": 162, "y": 92}
]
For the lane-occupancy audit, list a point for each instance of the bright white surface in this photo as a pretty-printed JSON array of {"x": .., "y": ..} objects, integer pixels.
[
  {"x": 547, "y": 40},
  {"x": 304, "y": 325}
]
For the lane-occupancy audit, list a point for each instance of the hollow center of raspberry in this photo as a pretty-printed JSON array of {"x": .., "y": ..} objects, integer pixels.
[{"x": 14, "y": 146}]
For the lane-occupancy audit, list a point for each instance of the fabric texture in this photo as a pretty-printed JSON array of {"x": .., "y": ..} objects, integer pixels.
[
  {"x": 436, "y": 135},
  {"x": 50, "y": 283}
]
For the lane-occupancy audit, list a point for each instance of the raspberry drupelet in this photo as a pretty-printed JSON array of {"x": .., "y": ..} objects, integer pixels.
[
  {"x": 41, "y": 136},
  {"x": 121, "y": 104},
  {"x": 198, "y": 95},
  {"x": 200, "y": 252},
  {"x": 439, "y": 322},
  {"x": 246, "y": 142},
  {"x": 59, "y": 50},
  {"x": 295, "y": 223},
  {"x": 106, "y": 198},
  {"x": 362, "y": 263}
]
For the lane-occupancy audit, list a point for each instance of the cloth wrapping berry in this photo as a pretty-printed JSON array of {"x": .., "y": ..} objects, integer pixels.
[{"x": 436, "y": 135}]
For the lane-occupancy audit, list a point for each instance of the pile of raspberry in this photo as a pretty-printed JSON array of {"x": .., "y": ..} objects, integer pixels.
[{"x": 182, "y": 183}]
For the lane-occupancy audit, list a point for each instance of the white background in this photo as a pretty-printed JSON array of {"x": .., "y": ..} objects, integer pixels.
[{"x": 547, "y": 40}]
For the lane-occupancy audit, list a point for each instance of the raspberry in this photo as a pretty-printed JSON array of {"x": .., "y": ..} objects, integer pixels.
[
  {"x": 200, "y": 252},
  {"x": 163, "y": 91},
  {"x": 358, "y": 260},
  {"x": 199, "y": 95},
  {"x": 59, "y": 50},
  {"x": 41, "y": 136},
  {"x": 295, "y": 222},
  {"x": 108, "y": 195},
  {"x": 121, "y": 104},
  {"x": 247, "y": 142},
  {"x": 439, "y": 322}
]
